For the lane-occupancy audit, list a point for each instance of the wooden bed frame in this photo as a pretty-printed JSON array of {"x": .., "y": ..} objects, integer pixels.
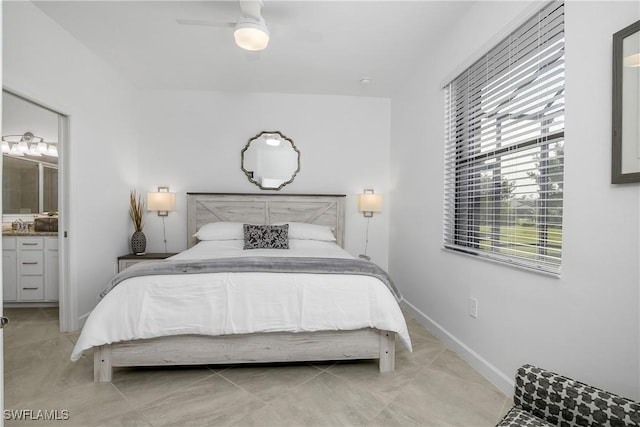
[{"x": 203, "y": 208}]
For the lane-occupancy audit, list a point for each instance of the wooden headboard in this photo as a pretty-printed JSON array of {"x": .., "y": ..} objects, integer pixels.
[{"x": 321, "y": 209}]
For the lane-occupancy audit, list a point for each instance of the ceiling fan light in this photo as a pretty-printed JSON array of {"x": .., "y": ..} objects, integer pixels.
[
  {"x": 250, "y": 35},
  {"x": 5, "y": 146}
]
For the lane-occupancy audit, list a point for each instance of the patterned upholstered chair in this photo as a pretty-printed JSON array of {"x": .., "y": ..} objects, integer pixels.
[{"x": 543, "y": 398}]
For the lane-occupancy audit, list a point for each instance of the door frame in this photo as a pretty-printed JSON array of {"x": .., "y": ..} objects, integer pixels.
[{"x": 67, "y": 291}]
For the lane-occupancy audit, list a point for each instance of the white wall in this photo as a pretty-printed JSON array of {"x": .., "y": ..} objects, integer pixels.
[
  {"x": 19, "y": 116},
  {"x": 191, "y": 141},
  {"x": 49, "y": 66},
  {"x": 585, "y": 324}
]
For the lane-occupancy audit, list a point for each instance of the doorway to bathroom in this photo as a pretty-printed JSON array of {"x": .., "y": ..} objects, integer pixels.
[{"x": 34, "y": 260}]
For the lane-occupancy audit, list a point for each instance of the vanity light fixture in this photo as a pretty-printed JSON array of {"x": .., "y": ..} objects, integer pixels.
[
  {"x": 28, "y": 143},
  {"x": 33, "y": 150},
  {"x": 52, "y": 150}
]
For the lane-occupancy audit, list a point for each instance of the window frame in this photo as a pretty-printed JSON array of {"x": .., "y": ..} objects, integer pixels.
[{"x": 466, "y": 150}]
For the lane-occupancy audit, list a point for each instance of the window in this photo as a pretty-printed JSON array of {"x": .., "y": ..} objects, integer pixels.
[{"x": 504, "y": 148}]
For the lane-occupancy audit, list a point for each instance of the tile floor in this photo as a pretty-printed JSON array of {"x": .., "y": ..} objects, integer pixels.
[{"x": 430, "y": 387}]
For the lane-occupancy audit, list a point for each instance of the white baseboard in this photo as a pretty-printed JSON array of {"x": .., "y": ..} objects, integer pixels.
[
  {"x": 29, "y": 304},
  {"x": 498, "y": 378}
]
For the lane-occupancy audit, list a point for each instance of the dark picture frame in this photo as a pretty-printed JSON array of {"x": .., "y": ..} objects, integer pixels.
[{"x": 626, "y": 112}]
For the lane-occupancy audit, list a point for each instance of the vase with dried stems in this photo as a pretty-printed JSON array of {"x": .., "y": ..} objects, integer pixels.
[{"x": 136, "y": 211}]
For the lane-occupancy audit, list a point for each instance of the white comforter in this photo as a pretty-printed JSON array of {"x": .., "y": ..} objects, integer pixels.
[{"x": 241, "y": 303}]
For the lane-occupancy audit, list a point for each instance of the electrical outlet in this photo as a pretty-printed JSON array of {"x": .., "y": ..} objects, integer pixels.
[{"x": 473, "y": 308}]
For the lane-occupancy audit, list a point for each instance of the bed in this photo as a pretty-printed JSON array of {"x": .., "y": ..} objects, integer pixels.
[{"x": 210, "y": 305}]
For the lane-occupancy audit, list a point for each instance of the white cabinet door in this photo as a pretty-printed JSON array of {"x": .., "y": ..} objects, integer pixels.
[
  {"x": 32, "y": 288},
  {"x": 31, "y": 263}
]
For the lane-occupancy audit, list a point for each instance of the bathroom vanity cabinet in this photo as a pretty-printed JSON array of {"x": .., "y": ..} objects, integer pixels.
[{"x": 30, "y": 268}]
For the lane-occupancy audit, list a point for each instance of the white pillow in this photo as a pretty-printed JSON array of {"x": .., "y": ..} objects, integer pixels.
[
  {"x": 305, "y": 231},
  {"x": 220, "y": 231}
]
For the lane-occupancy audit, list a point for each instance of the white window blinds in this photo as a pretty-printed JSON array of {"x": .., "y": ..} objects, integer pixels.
[{"x": 504, "y": 148}]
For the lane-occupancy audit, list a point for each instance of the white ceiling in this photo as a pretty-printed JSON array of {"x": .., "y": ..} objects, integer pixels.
[{"x": 381, "y": 40}]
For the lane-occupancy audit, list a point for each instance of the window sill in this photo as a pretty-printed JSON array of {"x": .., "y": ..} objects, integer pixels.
[{"x": 500, "y": 261}]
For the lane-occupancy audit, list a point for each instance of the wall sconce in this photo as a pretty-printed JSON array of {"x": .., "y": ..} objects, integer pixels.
[
  {"x": 161, "y": 201},
  {"x": 368, "y": 203}
]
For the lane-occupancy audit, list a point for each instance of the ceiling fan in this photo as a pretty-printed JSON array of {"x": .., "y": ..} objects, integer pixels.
[{"x": 250, "y": 29}]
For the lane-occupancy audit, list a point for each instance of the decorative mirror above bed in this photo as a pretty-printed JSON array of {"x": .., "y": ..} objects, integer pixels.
[{"x": 270, "y": 160}]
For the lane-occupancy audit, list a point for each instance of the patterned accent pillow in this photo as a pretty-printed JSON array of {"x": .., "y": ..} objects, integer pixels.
[{"x": 266, "y": 236}]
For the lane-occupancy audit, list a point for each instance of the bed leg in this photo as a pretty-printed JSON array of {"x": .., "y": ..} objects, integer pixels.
[
  {"x": 102, "y": 370},
  {"x": 387, "y": 351}
]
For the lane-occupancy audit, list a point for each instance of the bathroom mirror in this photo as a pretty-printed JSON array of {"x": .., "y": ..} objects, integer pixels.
[
  {"x": 625, "y": 161},
  {"x": 29, "y": 158},
  {"x": 270, "y": 160}
]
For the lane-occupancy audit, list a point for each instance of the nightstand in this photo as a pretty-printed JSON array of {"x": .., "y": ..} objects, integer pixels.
[{"x": 126, "y": 261}]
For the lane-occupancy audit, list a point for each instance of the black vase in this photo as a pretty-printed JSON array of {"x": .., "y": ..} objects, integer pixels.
[{"x": 138, "y": 243}]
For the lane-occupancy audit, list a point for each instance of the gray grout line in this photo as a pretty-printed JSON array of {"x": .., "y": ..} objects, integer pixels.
[{"x": 142, "y": 405}]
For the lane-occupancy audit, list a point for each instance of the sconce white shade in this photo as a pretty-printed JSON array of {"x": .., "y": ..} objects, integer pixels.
[
  {"x": 368, "y": 203},
  {"x": 162, "y": 202}
]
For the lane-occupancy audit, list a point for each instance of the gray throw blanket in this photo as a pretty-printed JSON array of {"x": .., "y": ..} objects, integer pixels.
[{"x": 256, "y": 264}]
